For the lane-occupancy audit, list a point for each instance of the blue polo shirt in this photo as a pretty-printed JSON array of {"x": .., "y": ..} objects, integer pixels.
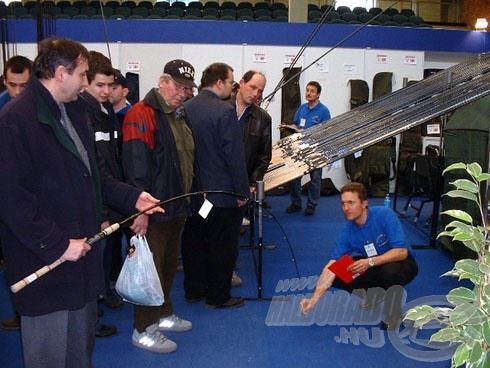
[
  {"x": 306, "y": 118},
  {"x": 382, "y": 229}
]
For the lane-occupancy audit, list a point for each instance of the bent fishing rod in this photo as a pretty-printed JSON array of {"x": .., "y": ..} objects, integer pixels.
[{"x": 108, "y": 231}]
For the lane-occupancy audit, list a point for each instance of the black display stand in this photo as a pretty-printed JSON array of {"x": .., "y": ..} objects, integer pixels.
[{"x": 257, "y": 204}]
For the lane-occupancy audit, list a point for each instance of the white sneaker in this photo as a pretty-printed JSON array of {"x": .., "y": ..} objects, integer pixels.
[
  {"x": 174, "y": 324},
  {"x": 153, "y": 340},
  {"x": 245, "y": 222}
]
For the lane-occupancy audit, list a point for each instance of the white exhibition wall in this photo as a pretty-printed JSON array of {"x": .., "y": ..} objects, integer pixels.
[{"x": 331, "y": 68}]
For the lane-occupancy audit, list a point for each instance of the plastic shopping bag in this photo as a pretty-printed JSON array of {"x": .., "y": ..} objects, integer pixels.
[{"x": 138, "y": 282}]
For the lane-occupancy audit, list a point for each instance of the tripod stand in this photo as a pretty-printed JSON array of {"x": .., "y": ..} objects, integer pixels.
[{"x": 258, "y": 264}]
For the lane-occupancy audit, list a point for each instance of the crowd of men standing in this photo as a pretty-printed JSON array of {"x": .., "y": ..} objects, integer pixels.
[
  {"x": 89, "y": 159},
  {"x": 79, "y": 158}
]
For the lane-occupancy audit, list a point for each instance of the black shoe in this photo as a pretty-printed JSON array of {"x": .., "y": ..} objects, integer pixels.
[
  {"x": 293, "y": 208},
  {"x": 231, "y": 303},
  {"x": 309, "y": 211},
  {"x": 105, "y": 331},
  {"x": 193, "y": 300},
  {"x": 393, "y": 323},
  {"x": 370, "y": 304},
  {"x": 12, "y": 324},
  {"x": 112, "y": 301}
]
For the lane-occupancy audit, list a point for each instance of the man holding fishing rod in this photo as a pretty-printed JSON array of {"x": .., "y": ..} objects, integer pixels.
[{"x": 51, "y": 195}]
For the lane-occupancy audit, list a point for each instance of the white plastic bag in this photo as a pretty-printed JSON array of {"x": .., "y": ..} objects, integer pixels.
[{"x": 138, "y": 282}]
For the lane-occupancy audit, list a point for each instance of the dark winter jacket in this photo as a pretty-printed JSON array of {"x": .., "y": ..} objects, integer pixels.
[
  {"x": 257, "y": 139},
  {"x": 219, "y": 148},
  {"x": 48, "y": 196},
  {"x": 150, "y": 157}
]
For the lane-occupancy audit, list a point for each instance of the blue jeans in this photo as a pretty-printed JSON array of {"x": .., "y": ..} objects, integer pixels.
[{"x": 313, "y": 190}]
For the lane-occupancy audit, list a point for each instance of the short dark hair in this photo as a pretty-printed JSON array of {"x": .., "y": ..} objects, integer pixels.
[
  {"x": 355, "y": 187},
  {"x": 17, "y": 65},
  {"x": 213, "y": 73},
  {"x": 315, "y": 84},
  {"x": 98, "y": 63},
  {"x": 56, "y": 51}
]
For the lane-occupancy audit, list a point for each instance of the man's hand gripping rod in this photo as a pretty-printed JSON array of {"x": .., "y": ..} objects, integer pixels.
[{"x": 103, "y": 234}]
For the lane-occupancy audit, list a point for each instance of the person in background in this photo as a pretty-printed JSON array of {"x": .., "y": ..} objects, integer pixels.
[
  {"x": 256, "y": 125},
  {"x": 16, "y": 74},
  {"x": 51, "y": 203},
  {"x": 121, "y": 106},
  {"x": 158, "y": 156},
  {"x": 102, "y": 121},
  {"x": 119, "y": 96},
  {"x": 309, "y": 114},
  {"x": 374, "y": 238},
  {"x": 210, "y": 241}
]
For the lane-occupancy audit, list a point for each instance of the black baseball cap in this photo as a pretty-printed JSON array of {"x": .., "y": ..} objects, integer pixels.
[
  {"x": 120, "y": 79},
  {"x": 181, "y": 71}
]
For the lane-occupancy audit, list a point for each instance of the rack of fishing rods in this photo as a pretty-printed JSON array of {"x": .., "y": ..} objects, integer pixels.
[{"x": 392, "y": 114}]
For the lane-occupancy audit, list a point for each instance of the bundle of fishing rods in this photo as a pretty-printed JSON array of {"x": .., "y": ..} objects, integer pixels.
[{"x": 388, "y": 116}]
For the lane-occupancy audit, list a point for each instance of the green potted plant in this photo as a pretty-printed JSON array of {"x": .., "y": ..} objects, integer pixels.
[{"x": 467, "y": 322}]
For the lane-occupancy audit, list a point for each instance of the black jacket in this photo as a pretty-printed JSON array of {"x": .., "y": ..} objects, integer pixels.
[
  {"x": 107, "y": 138},
  {"x": 48, "y": 196},
  {"x": 219, "y": 148},
  {"x": 257, "y": 138}
]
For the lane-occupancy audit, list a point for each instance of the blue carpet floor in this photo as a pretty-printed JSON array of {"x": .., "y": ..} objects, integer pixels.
[{"x": 271, "y": 333}]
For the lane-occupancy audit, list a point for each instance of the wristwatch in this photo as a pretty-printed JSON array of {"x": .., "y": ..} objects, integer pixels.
[{"x": 370, "y": 262}]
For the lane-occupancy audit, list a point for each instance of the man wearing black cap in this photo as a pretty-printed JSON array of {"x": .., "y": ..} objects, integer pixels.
[
  {"x": 158, "y": 154},
  {"x": 119, "y": 96}
]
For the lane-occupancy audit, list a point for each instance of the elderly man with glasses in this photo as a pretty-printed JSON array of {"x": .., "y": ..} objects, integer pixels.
[{"x": 158, "y": 154}]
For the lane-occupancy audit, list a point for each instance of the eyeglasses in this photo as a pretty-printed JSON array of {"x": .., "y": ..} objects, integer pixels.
[{"x": 181, "y": 87}]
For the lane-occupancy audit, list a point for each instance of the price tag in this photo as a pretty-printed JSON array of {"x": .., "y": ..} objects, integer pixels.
[{"x": 205, "y": 209}]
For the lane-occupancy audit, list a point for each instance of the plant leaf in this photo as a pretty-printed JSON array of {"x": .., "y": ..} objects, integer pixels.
[
  {"x": 461, "y": 295},
  {"x": 460, "y": 215},
  {"x": 474, "y": 245},
  {"x": 467, "y": 185},
  {"x": 462, "y": 194},
  {"x": 466, "y": 314},
  {"x": 483, "y": 177},
  {"x": 446, "y": 334},
  {"x": 469, "y": 266},
  {"x": 475, "y": 352},
  {"x": 455, "y": 166},
  {"x": 461, "y": 355},
  {"x": 484, "y": 362},
  {"x": 460, "y": 226},
  {"x": 485, "y": 269},
  {"x": 474, "y": 169},
  {"x": 486, "y": 332}
]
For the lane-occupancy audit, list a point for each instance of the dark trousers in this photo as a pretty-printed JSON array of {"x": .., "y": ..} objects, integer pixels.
[
  {"x": 209, "y": 253},
  {"x": 164, "y": 240},
  {"x": 384, "y": 281}
]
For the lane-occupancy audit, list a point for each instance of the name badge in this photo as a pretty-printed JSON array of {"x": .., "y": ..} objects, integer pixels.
[
  {"x": 205, "y": 208},
  {"x": 302, "y": 123},
  {"x": 370, "y": 250}
]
